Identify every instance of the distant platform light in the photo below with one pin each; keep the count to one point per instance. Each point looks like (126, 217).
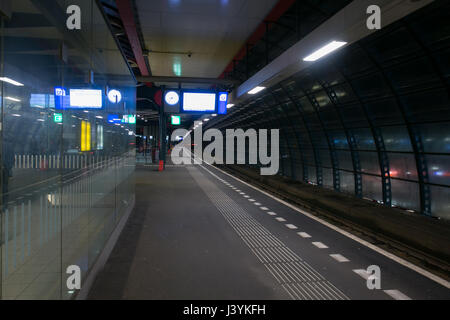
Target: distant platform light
(325, 50)
(114, 96)
(256, 90)
(230, 105)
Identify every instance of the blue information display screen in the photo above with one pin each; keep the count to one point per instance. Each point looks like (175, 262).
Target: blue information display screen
(199, 102)
(78, 98)
(86, 98)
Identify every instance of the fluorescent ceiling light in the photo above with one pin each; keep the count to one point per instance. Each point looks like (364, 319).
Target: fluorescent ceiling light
(332, 46)
(206, 120)
(11, 81)
(256, 90)
(16, 115)
(214, 115)
(230, 105)
(99, 117)
(12, 99)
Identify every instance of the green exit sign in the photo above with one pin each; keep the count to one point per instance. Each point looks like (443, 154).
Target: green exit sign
(58, 117)
(176, 120)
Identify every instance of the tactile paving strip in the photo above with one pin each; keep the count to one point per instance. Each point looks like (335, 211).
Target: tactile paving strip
(300, 280)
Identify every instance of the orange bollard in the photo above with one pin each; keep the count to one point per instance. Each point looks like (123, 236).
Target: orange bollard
(161, 165)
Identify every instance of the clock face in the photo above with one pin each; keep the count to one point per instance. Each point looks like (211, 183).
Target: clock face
(114, 96)
(223, 97)
(172, 98)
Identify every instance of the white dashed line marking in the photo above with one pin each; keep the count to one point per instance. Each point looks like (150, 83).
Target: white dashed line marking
(397, 295)
(257, 204)
(304, 235)
(247, 197)
(320, 245)
(363, 273)
(251, 200)
(280, 219)
(264, 208)
(270, 213)
(339, 258)
(291, 226)
(383, 252)
(242, 193)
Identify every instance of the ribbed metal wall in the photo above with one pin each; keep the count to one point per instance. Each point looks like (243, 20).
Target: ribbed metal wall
(372, 120)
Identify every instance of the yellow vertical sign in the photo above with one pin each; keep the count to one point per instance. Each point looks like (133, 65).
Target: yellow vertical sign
(88, 136)
(85, 136)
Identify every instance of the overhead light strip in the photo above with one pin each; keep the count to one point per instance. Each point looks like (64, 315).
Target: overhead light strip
(325, 50)
(256, 90)
(11, 81)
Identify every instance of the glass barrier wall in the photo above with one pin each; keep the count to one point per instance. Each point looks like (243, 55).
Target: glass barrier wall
(67, 145)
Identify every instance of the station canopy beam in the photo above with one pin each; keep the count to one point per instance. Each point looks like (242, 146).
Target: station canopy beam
(191, 80)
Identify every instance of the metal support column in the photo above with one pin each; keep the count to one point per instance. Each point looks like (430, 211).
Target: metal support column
(162, 133)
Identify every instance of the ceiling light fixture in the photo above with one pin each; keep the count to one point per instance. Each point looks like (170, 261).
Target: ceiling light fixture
(256, 90)
(325, 50)
(11, 81)
(12, 99)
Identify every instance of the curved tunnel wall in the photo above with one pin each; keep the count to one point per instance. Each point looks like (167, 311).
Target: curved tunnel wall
(372, 120)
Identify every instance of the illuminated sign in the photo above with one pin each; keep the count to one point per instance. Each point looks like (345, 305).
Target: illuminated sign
(114, 96)
(114, 118)
(199, 102)
(132, 119)
(60, 92)
(223, 101)
(86, 98)
(61, 99)
(176, 120)
(172, 98)
(129, 118)
(99, 137)
(85, 136)
(58, 117)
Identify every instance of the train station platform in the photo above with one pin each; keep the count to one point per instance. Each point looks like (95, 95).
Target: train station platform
(198, 233)
(323, 126)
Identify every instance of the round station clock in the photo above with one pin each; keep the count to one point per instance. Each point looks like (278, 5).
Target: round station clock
(172, 98)
(114, 96)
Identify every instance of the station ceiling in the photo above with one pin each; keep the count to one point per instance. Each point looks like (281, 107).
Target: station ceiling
(197, 38)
